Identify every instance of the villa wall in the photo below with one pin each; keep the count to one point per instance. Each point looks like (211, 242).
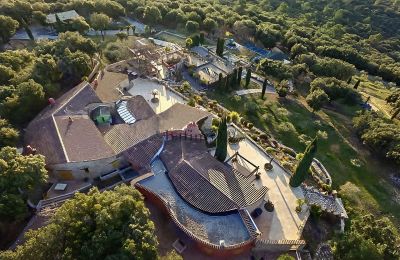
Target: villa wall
(204, 246)
(76, 170)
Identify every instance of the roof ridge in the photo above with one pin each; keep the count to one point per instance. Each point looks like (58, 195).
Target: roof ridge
(85, 84)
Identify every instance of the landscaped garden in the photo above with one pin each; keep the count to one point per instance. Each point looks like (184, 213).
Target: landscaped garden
(291, 122)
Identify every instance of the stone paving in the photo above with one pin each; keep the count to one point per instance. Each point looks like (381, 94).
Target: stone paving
(145, 87)
(284, 222)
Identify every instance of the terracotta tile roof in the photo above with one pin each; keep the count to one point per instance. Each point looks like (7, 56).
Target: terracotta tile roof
(42, 135)
(140, 155)
(107, 86)
(59, 142)
(139, 108)
(121, 137)
(204, 182)
(81, 138)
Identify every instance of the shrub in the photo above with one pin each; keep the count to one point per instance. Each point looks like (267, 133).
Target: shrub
(315, 211)
(251, 107)
(215, 121)
(112, 55)
(300, 203)
(191, 102)
(285, 257)
(234, 116)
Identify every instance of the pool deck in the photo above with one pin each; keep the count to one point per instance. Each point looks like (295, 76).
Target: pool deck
(284, 223)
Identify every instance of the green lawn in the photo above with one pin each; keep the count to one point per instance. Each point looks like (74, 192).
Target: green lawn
(171, 38)
(287, 119)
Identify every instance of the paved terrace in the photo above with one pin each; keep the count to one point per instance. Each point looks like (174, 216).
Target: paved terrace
(210, 228)
(145, 87)
(284, 223)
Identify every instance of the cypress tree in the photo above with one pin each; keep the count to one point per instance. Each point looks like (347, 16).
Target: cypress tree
(304, 165)
(222, 141)
(220, 81)
(239, 76)
(202, 39)
(357, 84)
(234, 78)
(227, 82)
(220, 47)
(264, 87)
(248, 77)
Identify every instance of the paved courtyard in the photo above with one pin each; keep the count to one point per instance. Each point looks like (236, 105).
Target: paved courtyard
(145, 87)
(284, 222)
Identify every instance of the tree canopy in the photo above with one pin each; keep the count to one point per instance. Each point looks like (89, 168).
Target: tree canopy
(98, 225)
(368, 238)
(18, 173)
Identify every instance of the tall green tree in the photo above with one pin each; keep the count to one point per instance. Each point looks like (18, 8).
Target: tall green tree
(282, 89)
(227, 82)
(202, 38)
(317, 99)
(220, 47)
(209, 24)
(6, 73)
(23, 103)
(18, 172)
(264, 88)
(8, 135)
(304, 165)
(46, 69)
(222, 141)
(98, 225)
(369, 237)
(80, 25)
(248, 77)
(8, 27)
(100, 22)
(192, 26)
(234, 78)
(357, 84)
(21, 11)
(220, 81)
(239, 76)
(152, 15)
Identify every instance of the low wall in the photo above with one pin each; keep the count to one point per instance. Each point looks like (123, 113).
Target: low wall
(278, 245)
(76, 170)
(204, 246)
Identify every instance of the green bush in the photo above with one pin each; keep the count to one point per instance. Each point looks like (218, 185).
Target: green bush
(251, 108)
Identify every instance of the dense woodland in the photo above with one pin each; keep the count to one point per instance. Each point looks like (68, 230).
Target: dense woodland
(330, 42)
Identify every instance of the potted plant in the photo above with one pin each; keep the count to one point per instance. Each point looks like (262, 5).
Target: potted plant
(269, 206)
(268, 166)
(300, 203)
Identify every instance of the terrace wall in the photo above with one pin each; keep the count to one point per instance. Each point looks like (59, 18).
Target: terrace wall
(76, 170)
(204, 246)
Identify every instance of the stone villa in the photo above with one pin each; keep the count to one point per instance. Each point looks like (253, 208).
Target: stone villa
(141, 132)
